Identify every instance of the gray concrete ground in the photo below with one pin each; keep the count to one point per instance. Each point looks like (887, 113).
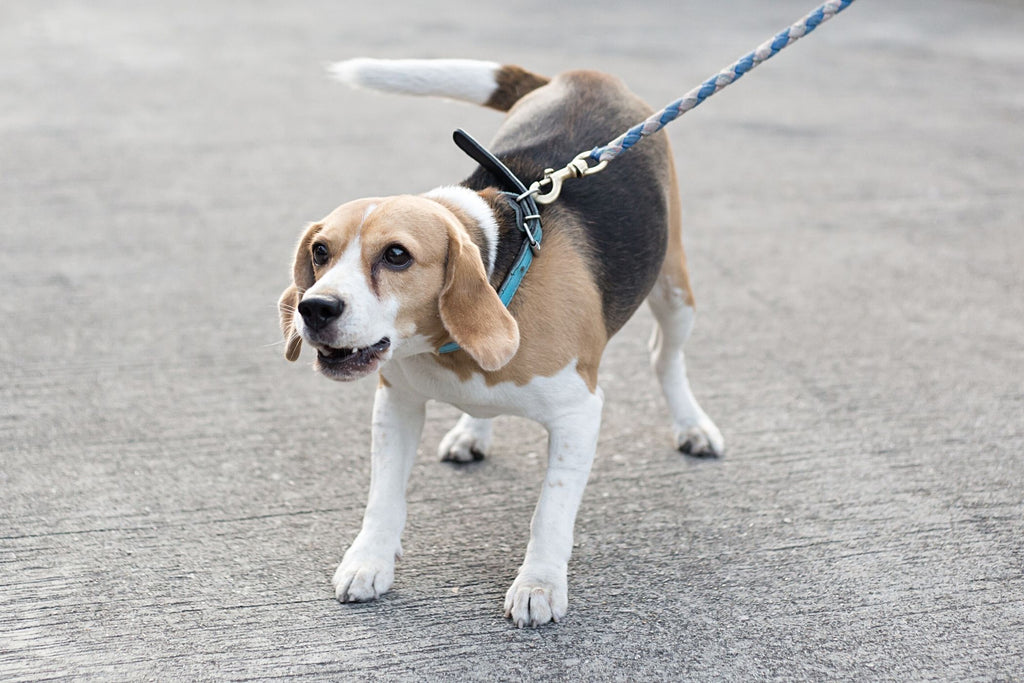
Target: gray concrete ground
(174, 495)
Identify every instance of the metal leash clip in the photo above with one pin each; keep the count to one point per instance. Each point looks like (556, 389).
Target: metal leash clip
(577, 168)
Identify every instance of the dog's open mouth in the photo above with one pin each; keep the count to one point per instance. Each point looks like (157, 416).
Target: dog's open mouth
(349, 363)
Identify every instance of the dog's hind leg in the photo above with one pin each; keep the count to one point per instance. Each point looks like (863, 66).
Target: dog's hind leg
(671, 301)
(467, 441)
(695, 433)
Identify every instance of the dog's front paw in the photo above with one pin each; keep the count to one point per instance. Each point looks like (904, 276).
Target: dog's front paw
(359, 579)
(467, 441)
(537, 597)
(701, 440)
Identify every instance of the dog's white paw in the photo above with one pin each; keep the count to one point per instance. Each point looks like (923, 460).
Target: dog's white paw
(702, 439)
(360, 579)
(467, 441)
(537, 597)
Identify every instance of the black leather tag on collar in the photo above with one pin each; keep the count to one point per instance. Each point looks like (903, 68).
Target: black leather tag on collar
(477, 152)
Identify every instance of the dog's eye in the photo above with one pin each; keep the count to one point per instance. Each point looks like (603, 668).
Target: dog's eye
(320, 254)
(396, 257)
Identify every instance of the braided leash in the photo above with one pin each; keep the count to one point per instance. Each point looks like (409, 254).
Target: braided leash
(580, 167)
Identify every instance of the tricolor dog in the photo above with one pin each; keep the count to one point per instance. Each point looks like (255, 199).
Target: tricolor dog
(383, 284)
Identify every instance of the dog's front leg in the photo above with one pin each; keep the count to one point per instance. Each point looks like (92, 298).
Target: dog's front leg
(540, 592)
(368, 568)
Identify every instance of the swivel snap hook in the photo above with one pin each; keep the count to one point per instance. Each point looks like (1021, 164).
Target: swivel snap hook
(577, 168)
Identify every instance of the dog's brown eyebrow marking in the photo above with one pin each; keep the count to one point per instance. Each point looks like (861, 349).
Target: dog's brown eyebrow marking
(375, 267)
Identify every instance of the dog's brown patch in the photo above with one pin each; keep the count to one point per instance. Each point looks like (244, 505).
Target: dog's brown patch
(513, 82)
(674, 267)
(558, 309)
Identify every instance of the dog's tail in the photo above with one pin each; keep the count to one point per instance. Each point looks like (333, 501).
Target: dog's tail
(485, 83)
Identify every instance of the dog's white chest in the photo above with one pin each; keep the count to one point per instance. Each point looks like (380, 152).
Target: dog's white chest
(537, 399)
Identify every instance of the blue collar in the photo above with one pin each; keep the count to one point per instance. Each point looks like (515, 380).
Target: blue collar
(527, 219)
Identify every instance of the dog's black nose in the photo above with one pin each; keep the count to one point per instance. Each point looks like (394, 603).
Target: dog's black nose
(319, 311)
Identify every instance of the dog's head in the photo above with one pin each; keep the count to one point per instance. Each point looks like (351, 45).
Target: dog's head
(384, 278)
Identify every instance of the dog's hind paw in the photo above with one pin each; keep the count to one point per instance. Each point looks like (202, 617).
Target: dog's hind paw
(536, 598)
(702, 440)
(467, 441)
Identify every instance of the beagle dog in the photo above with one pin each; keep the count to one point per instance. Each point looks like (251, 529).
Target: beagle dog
(382, 284)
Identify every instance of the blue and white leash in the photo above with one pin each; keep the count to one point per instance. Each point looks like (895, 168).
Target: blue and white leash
(580, 166)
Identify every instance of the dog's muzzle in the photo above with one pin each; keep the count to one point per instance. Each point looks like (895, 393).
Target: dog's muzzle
(351, 363)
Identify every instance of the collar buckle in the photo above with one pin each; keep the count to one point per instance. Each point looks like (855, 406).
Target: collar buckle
(526, 211)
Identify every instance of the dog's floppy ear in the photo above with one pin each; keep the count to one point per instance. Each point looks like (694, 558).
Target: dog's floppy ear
(302, 279)
(287, 306)
(470, 308)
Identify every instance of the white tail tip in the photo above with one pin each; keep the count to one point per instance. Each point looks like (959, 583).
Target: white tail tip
(459, 79)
